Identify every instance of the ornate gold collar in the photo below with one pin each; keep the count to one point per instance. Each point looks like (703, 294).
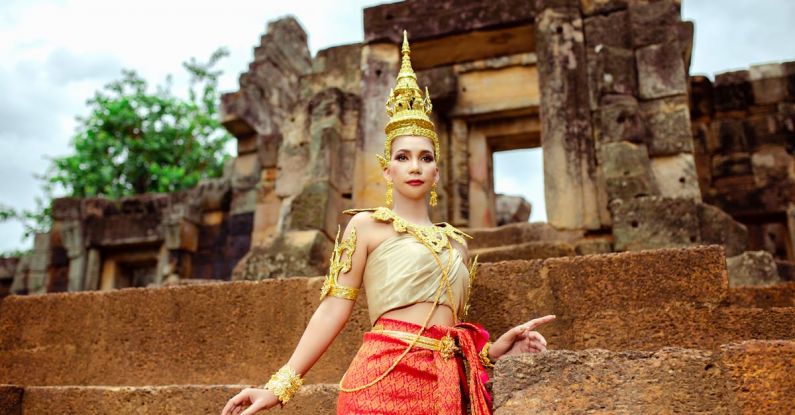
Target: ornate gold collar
(436, 235)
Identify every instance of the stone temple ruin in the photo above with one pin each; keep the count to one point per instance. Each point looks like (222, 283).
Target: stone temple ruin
(668, 254)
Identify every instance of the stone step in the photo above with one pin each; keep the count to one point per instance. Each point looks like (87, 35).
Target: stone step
(173, 399)
(517, 233)
(239, 333)
(753, 377)
(748, 377)
(777, 295)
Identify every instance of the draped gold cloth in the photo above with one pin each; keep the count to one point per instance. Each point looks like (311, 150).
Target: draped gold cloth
(400, 271)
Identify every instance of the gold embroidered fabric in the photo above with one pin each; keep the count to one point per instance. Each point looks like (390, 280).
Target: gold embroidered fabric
(402, 271)
(340, 263)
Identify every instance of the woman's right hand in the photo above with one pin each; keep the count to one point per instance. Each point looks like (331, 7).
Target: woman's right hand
(255, 399)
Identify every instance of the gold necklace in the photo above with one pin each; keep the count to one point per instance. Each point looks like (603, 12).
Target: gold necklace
(436, 237)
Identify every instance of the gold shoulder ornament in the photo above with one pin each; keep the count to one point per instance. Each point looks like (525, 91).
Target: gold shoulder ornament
(340, 263)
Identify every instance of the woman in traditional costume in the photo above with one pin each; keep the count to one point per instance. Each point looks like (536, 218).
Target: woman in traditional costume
(419, 357)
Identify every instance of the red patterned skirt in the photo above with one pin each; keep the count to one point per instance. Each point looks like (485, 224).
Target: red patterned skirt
(425, 381)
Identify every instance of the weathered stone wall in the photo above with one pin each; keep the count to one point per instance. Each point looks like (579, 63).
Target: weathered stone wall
(744, 131)
(304, 139)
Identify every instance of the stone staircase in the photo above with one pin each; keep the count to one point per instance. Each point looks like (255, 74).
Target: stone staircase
(638, 332)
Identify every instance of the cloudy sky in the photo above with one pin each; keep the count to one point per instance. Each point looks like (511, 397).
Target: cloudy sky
(55, 53)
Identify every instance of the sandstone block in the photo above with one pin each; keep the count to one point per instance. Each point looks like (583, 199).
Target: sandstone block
(670, 380)
(212, 194)
(685, 33)
(675, 176)
(701, 96)
(752, 268)
(494, 90)
(732, 91)
(760, 375)
(268, 149)
(769, 83)
(661, 72)
(611, 71)
(298, 252)
(331, 69)
(735, 164)
(66, 208)
(668, 124)
(779, 295)
(243, 202)
(593, 246)
(318, 206)
(386, 22)
(654, 222)
(511, 209)
(526, 250)
(636, 280)
(295, 155)
(771, 165)
(517, 233)
(246, 144)
(11, 399)
(718, 227)
(608, 30)
(591, 7)
(182, 235)
(380, 65)
(445, 85)
(246, 172)
(162, 336)
(626, 170)
(653, 22)
(570, 179)
(193, 399)
(499, 309)
(619, 119)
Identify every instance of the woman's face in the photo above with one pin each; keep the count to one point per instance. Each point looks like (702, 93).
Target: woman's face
(412, 168)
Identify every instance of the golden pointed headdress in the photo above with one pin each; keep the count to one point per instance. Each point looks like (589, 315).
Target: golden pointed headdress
(408, 110)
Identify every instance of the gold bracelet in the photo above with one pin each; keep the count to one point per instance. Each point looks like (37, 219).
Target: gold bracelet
(284, 383)
(484, 355)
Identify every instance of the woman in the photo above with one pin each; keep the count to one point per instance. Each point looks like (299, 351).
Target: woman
(419, 357)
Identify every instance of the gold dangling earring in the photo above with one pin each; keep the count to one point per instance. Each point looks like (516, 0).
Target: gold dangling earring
(388, 193)
(434, 199)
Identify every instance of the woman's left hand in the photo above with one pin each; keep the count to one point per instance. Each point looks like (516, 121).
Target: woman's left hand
(521, 339)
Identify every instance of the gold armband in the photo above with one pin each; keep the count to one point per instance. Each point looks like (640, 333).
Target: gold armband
(284, 383)
(484, 355)
(340, 264)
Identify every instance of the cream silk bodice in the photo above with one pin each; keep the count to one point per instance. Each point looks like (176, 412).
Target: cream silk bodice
(402, 271)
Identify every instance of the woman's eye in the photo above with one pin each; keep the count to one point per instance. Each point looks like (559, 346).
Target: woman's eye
(401, 157)
(428, 159)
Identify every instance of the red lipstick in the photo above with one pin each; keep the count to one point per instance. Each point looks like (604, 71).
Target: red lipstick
(415, 182)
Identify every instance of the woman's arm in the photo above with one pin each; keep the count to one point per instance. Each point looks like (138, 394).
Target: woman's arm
(324, 325)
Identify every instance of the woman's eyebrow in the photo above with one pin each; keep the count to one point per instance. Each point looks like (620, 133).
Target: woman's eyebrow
(408, 151)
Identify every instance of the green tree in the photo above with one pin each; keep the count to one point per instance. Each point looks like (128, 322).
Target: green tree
(138, 141)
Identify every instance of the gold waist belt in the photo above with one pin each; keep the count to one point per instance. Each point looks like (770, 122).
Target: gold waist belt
(445, 346)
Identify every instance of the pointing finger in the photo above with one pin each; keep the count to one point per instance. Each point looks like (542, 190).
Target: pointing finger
(536, 322)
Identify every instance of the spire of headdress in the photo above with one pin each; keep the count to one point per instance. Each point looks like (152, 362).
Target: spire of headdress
(408, 110)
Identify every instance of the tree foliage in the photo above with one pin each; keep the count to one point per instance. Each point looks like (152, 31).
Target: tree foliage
(138, 141)
(134, 141)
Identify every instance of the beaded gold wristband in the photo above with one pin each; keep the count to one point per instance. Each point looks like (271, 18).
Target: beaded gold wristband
(284, 383)
(484, 355)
